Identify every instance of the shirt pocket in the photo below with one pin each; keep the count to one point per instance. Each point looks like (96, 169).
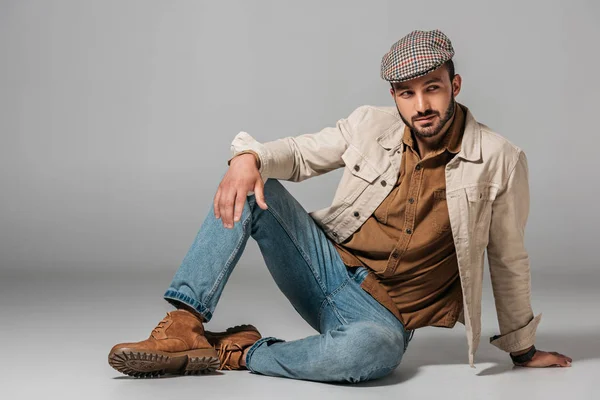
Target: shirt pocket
(440, 218)
(359, 175)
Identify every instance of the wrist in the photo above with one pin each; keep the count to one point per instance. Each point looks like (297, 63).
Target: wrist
(518, 353)
(248, 156)
(523, 357)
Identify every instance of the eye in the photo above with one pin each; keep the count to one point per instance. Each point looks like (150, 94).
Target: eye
(432, 88)
(405, 94)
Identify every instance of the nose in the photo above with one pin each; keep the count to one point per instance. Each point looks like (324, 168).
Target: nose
(421, 104)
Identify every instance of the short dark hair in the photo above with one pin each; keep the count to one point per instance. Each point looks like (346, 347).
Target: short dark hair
(449, 66)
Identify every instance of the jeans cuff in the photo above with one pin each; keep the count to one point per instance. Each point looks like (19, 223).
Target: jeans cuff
(269, 339)
(171, 294)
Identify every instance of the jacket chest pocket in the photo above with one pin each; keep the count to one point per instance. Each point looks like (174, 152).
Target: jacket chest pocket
(480, 199)
(359, 175)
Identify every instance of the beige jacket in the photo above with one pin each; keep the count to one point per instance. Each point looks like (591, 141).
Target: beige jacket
(487, 192)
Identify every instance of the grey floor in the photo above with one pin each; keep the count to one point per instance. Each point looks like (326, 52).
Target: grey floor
(58, 328)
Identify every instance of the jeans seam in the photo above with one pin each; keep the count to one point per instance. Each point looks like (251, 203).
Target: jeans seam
(340, 287)
(336, 312)
(228, 264)
(299, 248)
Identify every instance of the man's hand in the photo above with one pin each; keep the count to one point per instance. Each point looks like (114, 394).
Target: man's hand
(543, 359)
(241, 177)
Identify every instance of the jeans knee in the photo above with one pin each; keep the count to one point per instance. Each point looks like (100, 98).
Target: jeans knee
(370, 351)
(273, 189)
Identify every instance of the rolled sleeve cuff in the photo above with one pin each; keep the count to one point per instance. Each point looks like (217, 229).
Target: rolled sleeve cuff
(517, 340)
(243, 142)
(258, 163)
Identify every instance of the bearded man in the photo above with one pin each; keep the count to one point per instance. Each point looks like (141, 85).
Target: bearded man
(426, 189)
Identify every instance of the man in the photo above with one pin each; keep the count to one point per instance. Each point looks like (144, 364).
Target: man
(425, 190)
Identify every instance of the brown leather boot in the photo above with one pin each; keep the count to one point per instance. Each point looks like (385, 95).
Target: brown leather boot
(231, 344)
(177, 345)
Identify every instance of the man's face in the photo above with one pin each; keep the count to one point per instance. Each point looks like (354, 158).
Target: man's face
(426, 104)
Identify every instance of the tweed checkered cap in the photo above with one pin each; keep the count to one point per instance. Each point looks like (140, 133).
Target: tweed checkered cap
(416, 54)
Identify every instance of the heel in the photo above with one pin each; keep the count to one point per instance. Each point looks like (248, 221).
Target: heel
(201, 361)
(201, 365)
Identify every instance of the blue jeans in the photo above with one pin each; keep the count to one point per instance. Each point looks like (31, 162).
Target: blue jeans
(359, 338)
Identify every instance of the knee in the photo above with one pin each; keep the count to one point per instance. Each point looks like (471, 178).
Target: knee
(273, 189)
(369, 351)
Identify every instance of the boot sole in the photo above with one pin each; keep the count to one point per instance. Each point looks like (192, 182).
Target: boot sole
(150, 364)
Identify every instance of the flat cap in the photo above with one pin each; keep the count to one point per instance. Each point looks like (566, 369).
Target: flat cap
(416, 54)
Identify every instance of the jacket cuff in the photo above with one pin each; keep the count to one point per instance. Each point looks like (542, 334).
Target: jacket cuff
(517, 340)
(245, 142)
(246, 152)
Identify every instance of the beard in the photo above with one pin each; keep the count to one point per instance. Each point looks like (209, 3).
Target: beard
(431, 130)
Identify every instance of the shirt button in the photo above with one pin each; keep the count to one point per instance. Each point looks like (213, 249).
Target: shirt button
(395, 255)
(356, 167)
(411, 200)
(397, 151)
(356, 214)
(409, 231)
(334, 233)
(383, 183)
(418, 167)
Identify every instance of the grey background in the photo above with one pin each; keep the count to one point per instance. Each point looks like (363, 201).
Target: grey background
(115, 125)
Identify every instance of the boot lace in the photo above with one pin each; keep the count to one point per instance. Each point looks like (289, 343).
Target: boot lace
(160, 326)
(224, 353)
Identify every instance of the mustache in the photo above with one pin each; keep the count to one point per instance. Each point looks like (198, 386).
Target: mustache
(426, 114)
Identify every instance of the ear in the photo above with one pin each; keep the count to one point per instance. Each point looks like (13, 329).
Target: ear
(456, 84)
(392, 92)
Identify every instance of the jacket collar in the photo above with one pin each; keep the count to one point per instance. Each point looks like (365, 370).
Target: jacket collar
(470, 148)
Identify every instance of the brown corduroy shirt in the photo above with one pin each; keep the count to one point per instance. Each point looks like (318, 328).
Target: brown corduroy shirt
(407, 244)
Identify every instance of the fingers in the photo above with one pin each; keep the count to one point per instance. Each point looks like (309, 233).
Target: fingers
(546, 359)
(259, 194)
(226, 204)
(557, 360)
(240, 200)
(216, 205)
(564, 360)
(229, 202)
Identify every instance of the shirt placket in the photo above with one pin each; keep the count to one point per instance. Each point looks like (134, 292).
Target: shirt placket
(410, 215)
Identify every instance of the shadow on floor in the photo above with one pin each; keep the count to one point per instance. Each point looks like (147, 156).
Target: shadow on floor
(439, 350)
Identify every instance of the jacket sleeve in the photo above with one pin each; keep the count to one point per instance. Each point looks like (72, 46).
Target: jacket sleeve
(246, 152)
(509, 262)
(301, 157)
